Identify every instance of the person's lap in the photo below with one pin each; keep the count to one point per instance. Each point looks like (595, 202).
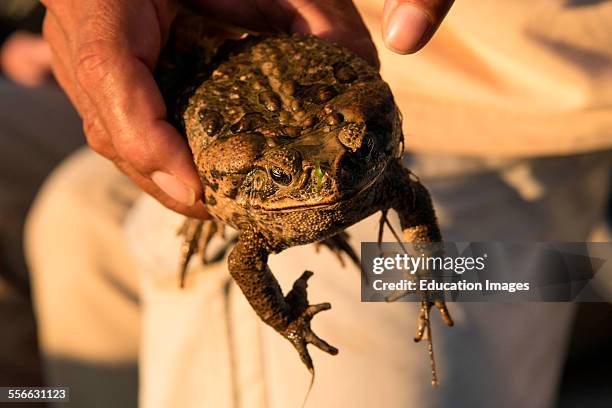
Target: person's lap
(84, 282)
(203, 346)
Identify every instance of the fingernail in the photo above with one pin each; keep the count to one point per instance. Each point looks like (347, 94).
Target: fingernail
(405, 28)
(175, 188)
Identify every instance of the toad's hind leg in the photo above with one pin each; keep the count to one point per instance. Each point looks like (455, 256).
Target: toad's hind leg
(339, 245)
(196, 235)
(289, 315)
(419, 225)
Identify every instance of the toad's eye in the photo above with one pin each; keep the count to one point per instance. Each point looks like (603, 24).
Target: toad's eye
(280, 176)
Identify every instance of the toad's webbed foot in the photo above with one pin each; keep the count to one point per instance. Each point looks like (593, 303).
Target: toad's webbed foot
(298, 331)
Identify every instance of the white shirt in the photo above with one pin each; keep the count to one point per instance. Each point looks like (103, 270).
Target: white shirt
(506, 77)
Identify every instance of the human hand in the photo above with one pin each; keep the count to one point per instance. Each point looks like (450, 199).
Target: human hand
(26, 59)
(409, 24)
(104, 52)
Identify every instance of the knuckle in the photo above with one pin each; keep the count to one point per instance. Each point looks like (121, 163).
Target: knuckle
(92, 62)
(101, 148)
(96, 139)
(135, 153)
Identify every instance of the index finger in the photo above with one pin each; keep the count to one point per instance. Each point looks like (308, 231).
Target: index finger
(337, 20)
(113, 68)
(409, 24)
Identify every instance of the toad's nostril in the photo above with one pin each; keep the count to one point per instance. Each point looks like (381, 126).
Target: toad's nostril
(259, 181)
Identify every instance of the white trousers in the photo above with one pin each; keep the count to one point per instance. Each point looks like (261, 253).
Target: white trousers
(104, 270)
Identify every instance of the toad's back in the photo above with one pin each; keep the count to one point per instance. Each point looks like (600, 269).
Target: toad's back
(289, 122)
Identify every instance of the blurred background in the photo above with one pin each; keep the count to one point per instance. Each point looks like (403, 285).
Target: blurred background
(30, 99)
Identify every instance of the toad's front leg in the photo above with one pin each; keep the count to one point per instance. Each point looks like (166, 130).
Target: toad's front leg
(289, 315)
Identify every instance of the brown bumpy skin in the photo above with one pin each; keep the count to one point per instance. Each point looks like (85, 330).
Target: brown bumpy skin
(295, 139)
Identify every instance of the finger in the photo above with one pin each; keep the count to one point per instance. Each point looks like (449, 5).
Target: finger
(96, 135)
(63, 79)
(57, 41)
(41, 53)
(100, 142)
(409, 24)
(114, 71)
(133, 113)
(197, 210)
(25, 58)
(336, 20)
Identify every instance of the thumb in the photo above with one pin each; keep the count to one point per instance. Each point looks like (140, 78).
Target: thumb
(409, 24)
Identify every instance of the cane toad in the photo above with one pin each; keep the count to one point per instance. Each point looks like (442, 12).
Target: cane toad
(295, 139)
